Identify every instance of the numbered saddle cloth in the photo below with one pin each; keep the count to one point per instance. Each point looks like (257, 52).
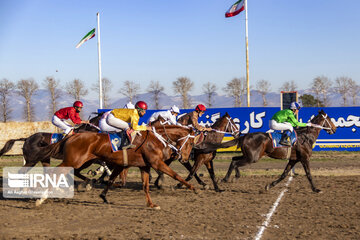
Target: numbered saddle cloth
(56, 137)
(276, 136)
(119, 140)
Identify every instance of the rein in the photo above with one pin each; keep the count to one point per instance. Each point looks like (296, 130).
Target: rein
(322, 126)
(232, 127)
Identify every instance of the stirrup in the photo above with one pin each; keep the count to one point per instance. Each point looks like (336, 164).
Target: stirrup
(129, 146)
(285, 142)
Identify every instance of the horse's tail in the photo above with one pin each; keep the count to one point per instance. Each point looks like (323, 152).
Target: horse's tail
(211, 147)
(9, 144)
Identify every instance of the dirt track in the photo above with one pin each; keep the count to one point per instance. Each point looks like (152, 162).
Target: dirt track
(236, 213)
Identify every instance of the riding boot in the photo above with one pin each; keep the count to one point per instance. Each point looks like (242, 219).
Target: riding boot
(128, 134)
(285, 138)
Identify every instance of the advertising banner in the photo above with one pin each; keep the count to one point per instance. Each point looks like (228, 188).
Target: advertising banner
(256, 119)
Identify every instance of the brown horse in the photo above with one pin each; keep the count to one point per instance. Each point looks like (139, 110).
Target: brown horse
(258, 144)
(150, 152)
(224, 124)
(35, 143)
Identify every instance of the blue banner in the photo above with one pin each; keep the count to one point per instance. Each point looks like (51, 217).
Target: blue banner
(256, 119)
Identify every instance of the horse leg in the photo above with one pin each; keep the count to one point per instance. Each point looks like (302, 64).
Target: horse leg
(145, 179)
(161, 166)
(210, 168)
(113, 176)
(306, 166)
(189, 168)
(160, 179)
(193, 171)
(287, 169)
(236, 162)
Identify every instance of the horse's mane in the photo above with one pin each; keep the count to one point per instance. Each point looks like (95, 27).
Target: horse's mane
(218, 121)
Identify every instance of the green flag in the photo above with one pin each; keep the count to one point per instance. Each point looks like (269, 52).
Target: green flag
(88, 36)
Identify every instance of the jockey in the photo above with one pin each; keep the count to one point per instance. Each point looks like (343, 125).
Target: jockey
(69, 112)
(129, 105)
(128, 119)
(169, 115)
(104, 127)
(191, 118)
(285, 120)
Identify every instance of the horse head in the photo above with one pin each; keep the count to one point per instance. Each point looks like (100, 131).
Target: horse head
(179, 138)
(159, 122)
(226, 124)
(323, 120)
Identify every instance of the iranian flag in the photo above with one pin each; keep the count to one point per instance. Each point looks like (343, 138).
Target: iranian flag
(235, 9)
(88, 36)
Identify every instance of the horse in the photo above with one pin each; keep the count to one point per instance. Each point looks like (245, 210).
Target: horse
(258, 144)
(34, 144)
(222, 125)
(80, 149)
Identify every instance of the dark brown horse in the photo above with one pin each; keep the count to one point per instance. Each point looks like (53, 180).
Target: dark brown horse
(259, 144)
(222, 125)
(150, 152)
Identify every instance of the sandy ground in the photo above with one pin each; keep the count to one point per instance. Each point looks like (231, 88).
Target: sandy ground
(236, 213)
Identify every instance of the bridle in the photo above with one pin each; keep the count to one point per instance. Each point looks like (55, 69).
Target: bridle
(323, 123)
(169, 142)
(234, 130)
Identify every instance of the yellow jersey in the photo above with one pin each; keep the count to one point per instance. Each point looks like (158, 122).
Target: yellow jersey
(130, 116)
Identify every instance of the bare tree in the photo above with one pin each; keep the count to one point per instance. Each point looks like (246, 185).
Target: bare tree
(263, 87)
(210, 90)
(5, 90)
(130, 90)
(320, 87)
(354, 90)
(183, 85)
(236, 88)
(27, 88)
(289, 86)
(155, 89)
(106, 86)
(52, 85)
(343, 87)
(76, 88)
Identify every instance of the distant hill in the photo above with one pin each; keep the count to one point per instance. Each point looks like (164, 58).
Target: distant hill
(41, 101)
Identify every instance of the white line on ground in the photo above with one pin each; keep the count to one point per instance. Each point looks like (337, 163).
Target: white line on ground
(272, 210)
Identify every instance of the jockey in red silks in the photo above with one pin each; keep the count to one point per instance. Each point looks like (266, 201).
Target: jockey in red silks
(71, 113)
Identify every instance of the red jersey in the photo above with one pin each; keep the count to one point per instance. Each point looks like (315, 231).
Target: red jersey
(69, 112)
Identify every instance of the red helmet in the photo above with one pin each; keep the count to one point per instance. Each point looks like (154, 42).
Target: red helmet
(200, 107)
(141, 105)
(78, 104)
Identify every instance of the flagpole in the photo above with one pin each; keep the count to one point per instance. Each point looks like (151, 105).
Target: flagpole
(99, 61)
(247, 55)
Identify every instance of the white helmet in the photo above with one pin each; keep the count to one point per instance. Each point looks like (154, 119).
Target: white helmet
(129, 105)
(295, 105)
(175, 109)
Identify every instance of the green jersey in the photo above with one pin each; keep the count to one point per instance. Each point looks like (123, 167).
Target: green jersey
(287, 115)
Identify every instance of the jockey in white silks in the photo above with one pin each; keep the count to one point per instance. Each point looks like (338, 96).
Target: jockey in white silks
(169, 116)
(105, 127)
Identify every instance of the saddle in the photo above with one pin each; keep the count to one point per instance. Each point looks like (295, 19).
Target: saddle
(120, 140)
(276, 137)
(56, 137)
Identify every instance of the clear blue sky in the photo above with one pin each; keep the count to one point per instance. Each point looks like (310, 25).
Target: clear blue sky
(162, 40)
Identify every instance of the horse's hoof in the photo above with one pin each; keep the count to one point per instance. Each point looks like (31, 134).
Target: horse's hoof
(219, 190)
(317, 190)
(206, 187)
(88, 187)
(224, 180)
(104, 199)
(38, 203)
(156, 207)
(267, 187)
